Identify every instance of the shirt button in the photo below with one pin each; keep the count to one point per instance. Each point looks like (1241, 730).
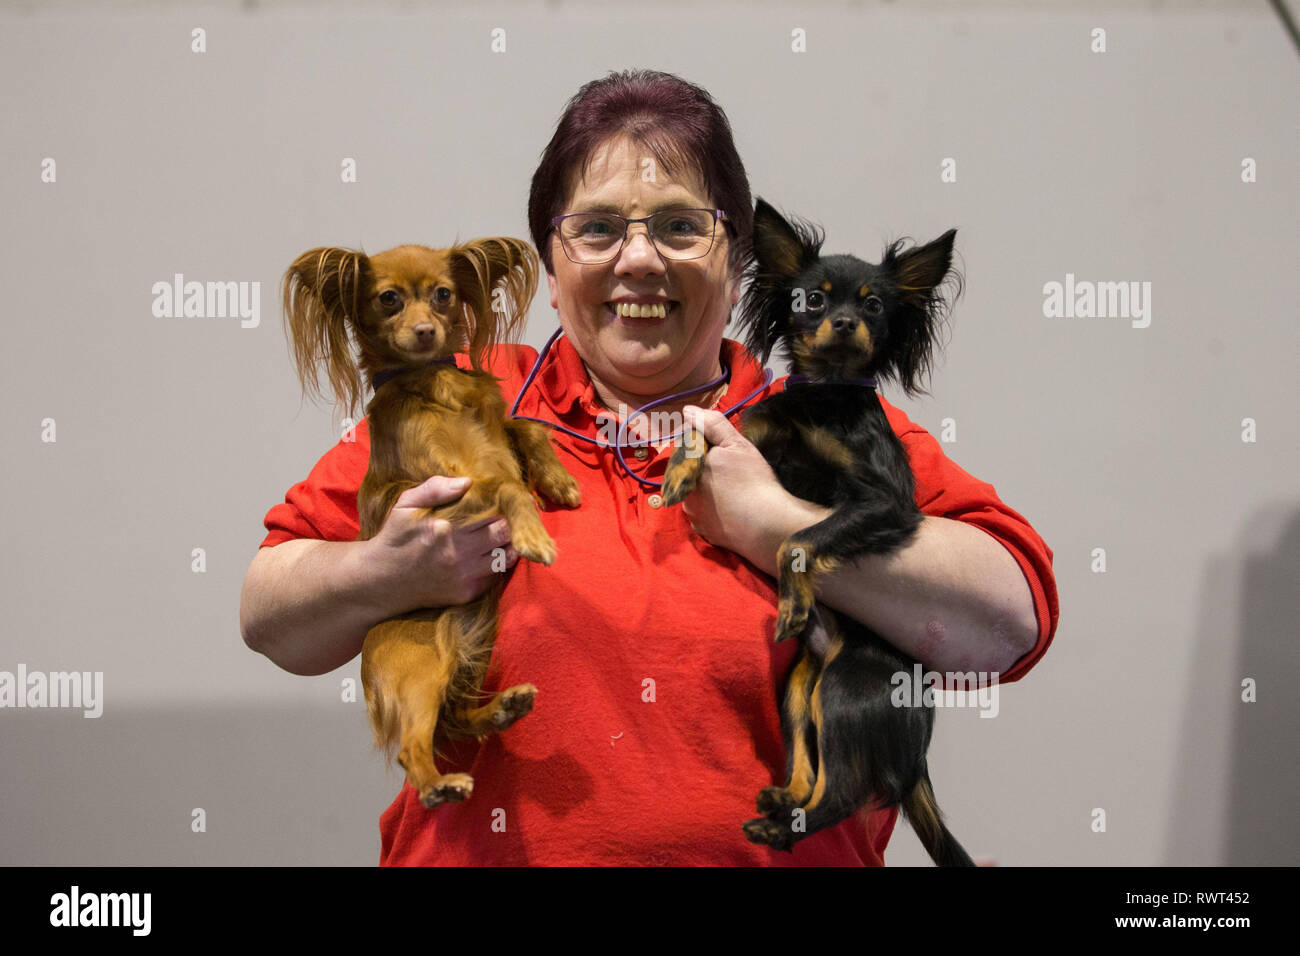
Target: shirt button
(656, 501)
(642, 453)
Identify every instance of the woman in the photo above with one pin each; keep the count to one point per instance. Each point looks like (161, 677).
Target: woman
(649, 638)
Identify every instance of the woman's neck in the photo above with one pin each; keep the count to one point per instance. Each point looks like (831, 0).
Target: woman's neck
(612, 397)
(623, 403)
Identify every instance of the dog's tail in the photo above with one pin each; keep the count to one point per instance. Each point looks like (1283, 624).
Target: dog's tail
(922, 812)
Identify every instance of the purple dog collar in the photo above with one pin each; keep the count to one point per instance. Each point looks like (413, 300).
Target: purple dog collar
(868, 382)
(387, 375)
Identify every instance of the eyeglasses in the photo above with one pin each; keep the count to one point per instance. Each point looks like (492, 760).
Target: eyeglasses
(592, 237)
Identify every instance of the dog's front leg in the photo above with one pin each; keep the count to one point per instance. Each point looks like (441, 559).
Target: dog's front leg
(684, 468)
(852, 532)
(542, 468)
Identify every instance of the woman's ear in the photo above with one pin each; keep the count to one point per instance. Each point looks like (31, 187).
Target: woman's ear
(555, 289)
(735, 279)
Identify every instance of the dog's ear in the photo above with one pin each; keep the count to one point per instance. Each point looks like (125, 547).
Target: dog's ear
(324, 291)
(919, 270)
(496, 279)
(928, 286)
(783, 248)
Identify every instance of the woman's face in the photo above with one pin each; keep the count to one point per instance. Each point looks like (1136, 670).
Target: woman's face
(642, 357)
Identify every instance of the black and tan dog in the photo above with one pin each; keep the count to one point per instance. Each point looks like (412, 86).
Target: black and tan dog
(842, 324)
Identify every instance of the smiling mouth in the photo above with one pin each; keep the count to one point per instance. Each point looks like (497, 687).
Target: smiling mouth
(647, 310)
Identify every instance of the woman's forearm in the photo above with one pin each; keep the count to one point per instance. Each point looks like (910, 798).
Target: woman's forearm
(953, 598)
(307, 604)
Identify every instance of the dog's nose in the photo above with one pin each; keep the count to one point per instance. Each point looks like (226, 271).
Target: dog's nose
(424, 333)
(843, 324)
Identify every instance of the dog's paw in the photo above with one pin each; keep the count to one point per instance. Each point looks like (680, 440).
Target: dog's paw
(797, 593)
(566, 492)
(791, 621)
(559, 487)
(534, 544)
(775, 800)
(681, 478)
(513, 703)
(767, 832)
(453, 788)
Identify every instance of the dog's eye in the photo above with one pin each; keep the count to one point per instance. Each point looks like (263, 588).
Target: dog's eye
(873, 305)
(442, 294)
(389, 298)
(816, 300)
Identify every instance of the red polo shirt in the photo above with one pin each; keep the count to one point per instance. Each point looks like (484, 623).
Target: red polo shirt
(656, 720)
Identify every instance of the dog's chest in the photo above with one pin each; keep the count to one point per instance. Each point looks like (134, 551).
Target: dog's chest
(821, 440)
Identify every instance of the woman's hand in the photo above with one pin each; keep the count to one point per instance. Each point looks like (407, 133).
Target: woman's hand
(428, 561)
(739, 504)
(308, 603)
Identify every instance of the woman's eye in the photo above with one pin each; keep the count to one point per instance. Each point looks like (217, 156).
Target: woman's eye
(389, 298)
(597, 227)
(873, 305)
(682, 227)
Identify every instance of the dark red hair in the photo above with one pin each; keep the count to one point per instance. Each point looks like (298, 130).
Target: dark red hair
(676, 121)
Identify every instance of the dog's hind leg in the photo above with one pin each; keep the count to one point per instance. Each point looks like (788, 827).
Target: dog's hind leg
(801, 741)
(406, 668)
(793, 815)
(500, 712)
(871, 751)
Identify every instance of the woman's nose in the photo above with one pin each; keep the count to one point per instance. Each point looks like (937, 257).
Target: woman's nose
(639, 251)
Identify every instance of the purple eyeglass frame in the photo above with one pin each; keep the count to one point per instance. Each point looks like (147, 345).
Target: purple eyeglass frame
(718, 216)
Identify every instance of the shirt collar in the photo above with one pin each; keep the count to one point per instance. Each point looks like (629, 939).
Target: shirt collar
(563, 392)
(563, 381)
(566, 389)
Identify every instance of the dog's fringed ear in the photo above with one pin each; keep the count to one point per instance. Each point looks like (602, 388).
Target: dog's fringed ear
(323, 292)
(496, 279)
(783, 248)
(928, 286)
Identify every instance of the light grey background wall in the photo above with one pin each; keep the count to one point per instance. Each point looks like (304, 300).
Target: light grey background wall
(175, 434)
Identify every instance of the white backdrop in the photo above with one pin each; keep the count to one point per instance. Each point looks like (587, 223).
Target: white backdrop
(1169, 158)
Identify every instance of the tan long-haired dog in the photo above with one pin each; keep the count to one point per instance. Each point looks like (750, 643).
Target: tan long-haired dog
(410, 310)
